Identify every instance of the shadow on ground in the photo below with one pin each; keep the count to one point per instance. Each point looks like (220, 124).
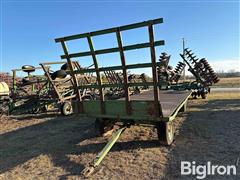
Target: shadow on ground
(56, 137)
(208, 134)
(211, 132)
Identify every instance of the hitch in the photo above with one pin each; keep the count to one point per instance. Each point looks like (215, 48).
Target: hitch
(98, 159)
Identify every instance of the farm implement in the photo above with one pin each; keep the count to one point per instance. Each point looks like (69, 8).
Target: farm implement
(4, 98)
(199, 68)
(51, 89)
(202, 71)
(25, 92)
(61, 83)
(150, 106)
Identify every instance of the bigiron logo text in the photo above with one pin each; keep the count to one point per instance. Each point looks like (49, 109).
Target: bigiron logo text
(209, 169)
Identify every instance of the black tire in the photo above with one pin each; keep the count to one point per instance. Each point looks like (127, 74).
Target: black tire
(26, 81)
(36, 110)
(66, 108)
(165, 132)
(65, 67)
(102, 125)
(194, 95)
(204, 95)
(99, 126)
(59, 74)
(28, 68)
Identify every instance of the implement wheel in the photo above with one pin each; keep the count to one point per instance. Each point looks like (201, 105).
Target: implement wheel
(165, 132)
(36, 110)
(66, 108)
(59, 74)
(204, 95)
(28, 68)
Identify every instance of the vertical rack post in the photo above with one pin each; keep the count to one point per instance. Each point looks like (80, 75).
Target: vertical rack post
(158, 109)
(64, 46)
(184, 75)
(51, 81)
(124, 69)
(14, 81)
(90, 43)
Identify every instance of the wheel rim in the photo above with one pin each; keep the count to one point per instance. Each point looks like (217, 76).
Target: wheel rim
(68, 109)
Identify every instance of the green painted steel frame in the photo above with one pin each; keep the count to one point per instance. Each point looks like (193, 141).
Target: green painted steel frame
(127, 106)
(117, 111)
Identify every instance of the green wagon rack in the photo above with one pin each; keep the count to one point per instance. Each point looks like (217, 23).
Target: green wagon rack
(154, 107)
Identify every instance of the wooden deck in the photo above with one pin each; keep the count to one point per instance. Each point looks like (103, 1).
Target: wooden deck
(170, 100)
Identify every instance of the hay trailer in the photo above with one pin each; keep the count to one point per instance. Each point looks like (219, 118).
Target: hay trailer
(154, 107)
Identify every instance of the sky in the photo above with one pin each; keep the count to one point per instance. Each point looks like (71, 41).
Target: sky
(28, 30)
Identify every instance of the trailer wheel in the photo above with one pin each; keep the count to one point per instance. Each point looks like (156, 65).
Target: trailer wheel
(103, 125)
(165, 133)
(66, 108)
(99, 127)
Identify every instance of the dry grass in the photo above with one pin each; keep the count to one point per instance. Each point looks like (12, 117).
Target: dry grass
(228, 82)
(224, 95)
(55, 147)
(224, 82)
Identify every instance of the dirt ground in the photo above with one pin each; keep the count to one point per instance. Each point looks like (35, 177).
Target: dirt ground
(55, 147)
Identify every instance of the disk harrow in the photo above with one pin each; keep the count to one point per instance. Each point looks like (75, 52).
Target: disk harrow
(166, 73)
(203, 73)
(200, 68)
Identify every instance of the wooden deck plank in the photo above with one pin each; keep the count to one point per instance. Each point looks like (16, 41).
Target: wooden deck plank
(169, 100)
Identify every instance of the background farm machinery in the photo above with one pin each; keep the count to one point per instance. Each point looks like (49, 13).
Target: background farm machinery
(4, 97)
(199, 68)
(55, 89)
(42, 91)
(25, 91)
(62, 85)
